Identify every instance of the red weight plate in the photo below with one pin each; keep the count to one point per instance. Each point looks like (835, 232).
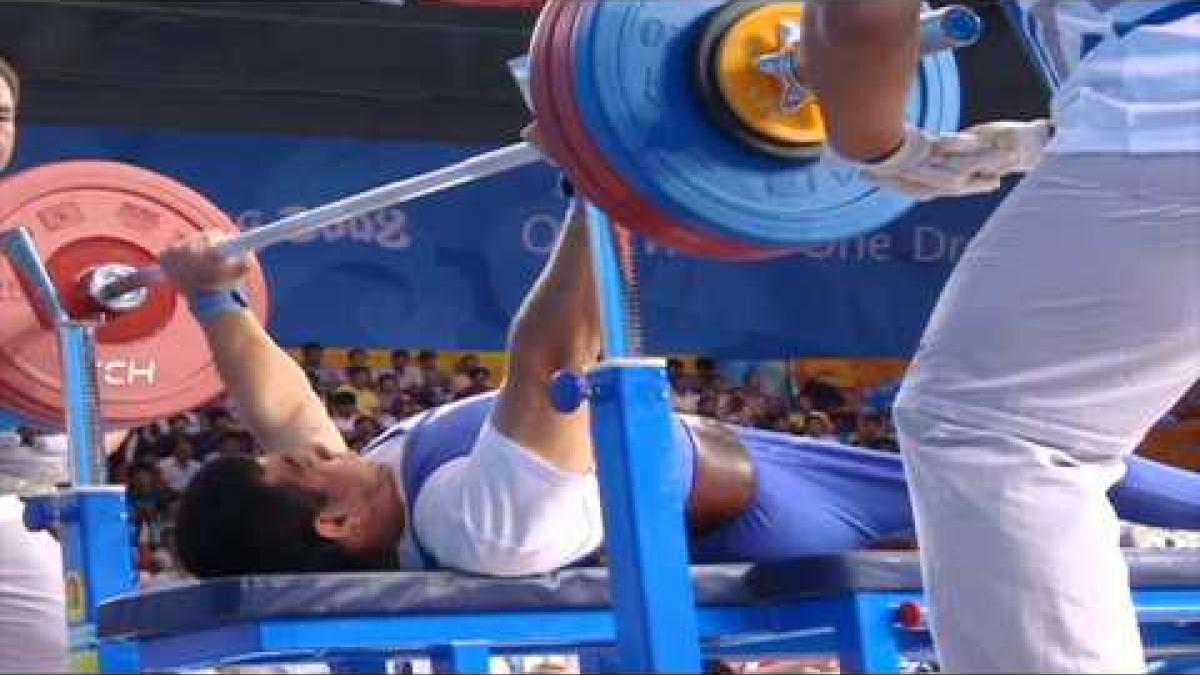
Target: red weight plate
(617, 195)
(600, 180)
(551, 61)
(541, 70)
(70, 267)
(154, 361)
(15, 401)
(19, 402)
(556, 91)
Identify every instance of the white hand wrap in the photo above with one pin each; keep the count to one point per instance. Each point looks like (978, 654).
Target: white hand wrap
(973, 161)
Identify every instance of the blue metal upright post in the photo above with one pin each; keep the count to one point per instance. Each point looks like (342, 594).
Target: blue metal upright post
(89, 517)
(92, 522)
(642, 487)
(467, 658)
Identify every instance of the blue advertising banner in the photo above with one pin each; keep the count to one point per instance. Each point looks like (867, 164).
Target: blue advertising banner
(450, 270)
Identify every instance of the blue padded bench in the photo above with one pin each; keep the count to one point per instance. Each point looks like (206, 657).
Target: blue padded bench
(201, 605)
(875, 586)
(859, 606)
(879, 571)
(428, 613)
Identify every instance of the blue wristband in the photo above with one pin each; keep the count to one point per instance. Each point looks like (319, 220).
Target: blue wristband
(208, 305)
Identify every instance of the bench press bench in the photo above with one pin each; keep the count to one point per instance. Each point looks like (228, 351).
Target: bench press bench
(864, 608)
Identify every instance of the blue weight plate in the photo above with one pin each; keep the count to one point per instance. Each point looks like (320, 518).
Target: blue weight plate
(587, 163)
(642, 111)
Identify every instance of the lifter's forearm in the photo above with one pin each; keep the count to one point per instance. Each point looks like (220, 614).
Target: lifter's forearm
(861, 58)
(556, 328)
(273, 395)
(558, 325)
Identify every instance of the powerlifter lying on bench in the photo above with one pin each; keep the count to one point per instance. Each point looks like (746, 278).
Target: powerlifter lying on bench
(504, 484)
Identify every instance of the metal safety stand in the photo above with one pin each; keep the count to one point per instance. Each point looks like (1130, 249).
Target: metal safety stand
(639, 471)
(89, 518)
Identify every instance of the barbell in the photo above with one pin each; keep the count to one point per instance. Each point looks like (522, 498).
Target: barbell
(686, 120)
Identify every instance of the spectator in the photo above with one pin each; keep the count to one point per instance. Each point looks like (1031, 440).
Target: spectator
(157, 564)
(769, 377)
(144, 445)
(823, 395)
(708, 376)
(363, 387)
(759, 406)
(435, 382)
(119, 461)
(315, 382)
(466, 363)
(343, 408)
(181, 425)
(178, 469)
(733, 410)
(387, 388)
(234, 444)
(312, 360)
(678, 376)
(818, 425)
(461, 380)
(405, 405)
(148, 524)
(366, 429)
(357, 358)
(883, 397)
(408, 376)
(685, 392)
(478, 381)
(780, 423)
(145, 497)
(147, 444)
(872, 432)
(685, 400)
(218, 423)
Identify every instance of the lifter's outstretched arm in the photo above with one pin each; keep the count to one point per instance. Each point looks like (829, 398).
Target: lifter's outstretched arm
(556, 328)
(273, 395)
(862, 58)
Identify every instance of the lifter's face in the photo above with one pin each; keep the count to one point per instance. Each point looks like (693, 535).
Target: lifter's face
(8, 123)
(364, 510)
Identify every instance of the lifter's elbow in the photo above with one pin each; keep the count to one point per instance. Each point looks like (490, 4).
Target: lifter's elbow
(542, 341)
(531, 354)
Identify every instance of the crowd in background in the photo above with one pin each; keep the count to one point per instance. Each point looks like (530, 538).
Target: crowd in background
(770, 395)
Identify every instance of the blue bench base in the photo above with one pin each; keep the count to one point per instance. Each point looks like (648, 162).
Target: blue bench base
(842, 606)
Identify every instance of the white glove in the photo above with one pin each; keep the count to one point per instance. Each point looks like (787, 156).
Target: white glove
(929, 165)
(1019, 145)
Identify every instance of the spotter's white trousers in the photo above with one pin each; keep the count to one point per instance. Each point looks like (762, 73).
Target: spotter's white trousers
(33, 624)
(1070, 325)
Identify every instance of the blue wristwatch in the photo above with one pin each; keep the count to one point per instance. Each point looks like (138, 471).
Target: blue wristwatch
(208, 305)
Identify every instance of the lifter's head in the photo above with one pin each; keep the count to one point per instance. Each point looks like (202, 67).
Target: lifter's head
(307, 510)
(10, 93)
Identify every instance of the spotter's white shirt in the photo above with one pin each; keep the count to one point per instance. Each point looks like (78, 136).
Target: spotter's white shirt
(1119, 89)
